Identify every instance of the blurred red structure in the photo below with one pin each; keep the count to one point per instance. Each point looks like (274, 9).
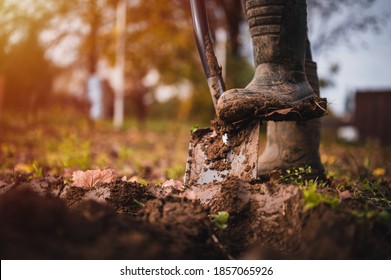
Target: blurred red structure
(373, 115)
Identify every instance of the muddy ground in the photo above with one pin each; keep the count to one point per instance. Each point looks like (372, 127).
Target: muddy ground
(44, 215)
(48, 218)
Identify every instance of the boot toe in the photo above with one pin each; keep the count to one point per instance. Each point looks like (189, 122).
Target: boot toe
(240, 104)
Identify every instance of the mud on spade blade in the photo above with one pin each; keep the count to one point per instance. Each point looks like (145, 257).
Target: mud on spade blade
(213, 157)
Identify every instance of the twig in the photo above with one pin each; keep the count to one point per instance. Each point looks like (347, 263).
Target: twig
(222, 248)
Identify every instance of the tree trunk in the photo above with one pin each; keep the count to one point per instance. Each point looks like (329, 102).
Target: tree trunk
(2, 90)
(119, 85)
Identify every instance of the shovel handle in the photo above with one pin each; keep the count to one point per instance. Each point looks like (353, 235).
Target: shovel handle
(205, 49)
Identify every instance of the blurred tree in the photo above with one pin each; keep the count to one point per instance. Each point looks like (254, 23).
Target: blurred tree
(159, 38)
(27, 88)
(22, 55)
(336, 22)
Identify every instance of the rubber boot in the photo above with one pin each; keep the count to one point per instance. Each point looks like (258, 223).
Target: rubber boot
(294, 144)
(279, 89)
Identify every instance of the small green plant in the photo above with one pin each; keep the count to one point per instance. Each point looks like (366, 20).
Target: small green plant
(313, 198)
(33, 169)
(383, 217)
(69, 151)
(143, 182)
(175, 172)
(102, 159)
(374, 193)
(194, 128)
(139, 203)
(67, 181)
(36, 170)
(220, 220)
(296, 176)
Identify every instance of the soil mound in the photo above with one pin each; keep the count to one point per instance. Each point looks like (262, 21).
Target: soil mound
(44, 219)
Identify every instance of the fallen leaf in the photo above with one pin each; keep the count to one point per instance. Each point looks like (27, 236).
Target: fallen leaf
(379, 172)
(90, 178)
(345, 195)
(175, 184)
(133, 179)
(279, 112)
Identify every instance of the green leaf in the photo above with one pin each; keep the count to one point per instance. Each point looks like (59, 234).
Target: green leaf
(220, 219)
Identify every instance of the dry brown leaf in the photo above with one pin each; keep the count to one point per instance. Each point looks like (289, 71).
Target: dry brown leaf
(175, 184)
(280, 112)
(124, 179)
(90, 178)
(134, 179)
(345, 195)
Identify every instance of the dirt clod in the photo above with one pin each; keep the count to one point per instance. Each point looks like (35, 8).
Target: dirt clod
(123, 220)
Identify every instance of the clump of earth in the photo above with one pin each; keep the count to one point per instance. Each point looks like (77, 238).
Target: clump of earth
(46, 218)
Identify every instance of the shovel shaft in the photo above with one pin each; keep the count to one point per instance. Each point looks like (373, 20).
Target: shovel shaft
(205, 49)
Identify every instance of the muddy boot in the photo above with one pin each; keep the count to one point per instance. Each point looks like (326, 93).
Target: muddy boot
(279, 89)
(294, 144)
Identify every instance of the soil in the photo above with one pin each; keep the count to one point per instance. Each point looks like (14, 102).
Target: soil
(269, 218)
(43, 216)
(80, 224)
(209, 154)
(213, 147)
(47, 219)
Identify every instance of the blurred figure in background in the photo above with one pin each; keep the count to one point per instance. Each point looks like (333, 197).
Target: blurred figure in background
(95, 95)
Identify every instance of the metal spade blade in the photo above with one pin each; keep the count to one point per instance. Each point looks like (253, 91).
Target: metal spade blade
(212, 160)
(214, 157)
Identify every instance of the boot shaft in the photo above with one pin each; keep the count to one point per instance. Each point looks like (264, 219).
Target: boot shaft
(278, 31)
(294, 144)
(312, 75)
(311, 69)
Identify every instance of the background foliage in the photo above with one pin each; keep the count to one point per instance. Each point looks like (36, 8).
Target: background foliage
(41, 39)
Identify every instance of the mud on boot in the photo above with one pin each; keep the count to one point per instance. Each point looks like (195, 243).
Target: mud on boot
(294, 144)
(279, 89)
